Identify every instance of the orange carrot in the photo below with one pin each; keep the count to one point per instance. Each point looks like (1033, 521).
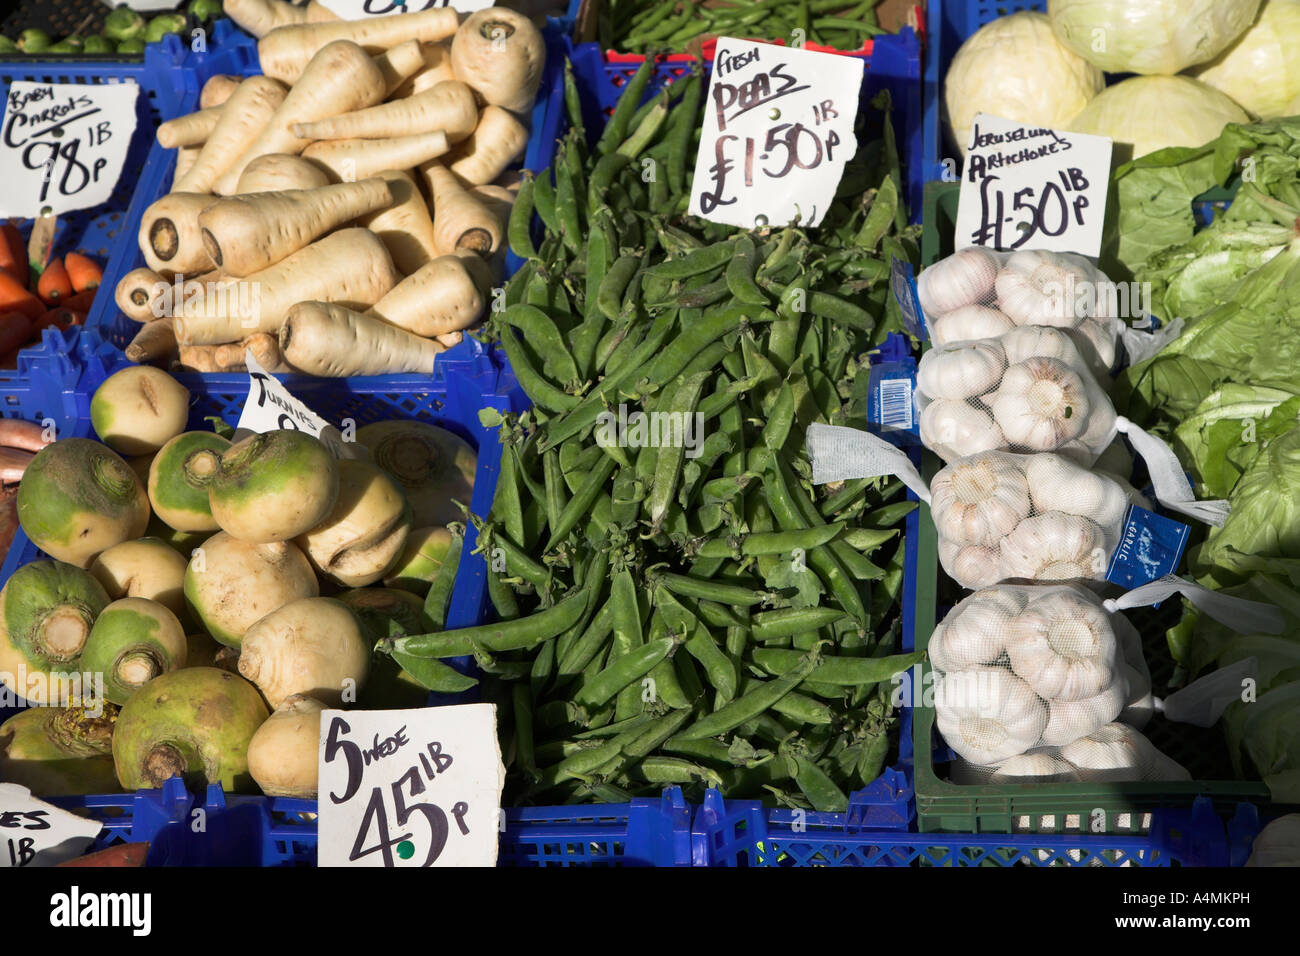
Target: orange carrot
(61, 319)
(81, 302)
(15, 330)
(14, 296)
(54, 285)
(13, 254)
(84, 271)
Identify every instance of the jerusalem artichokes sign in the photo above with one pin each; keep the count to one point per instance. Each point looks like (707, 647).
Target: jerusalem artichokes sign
(1032, 188)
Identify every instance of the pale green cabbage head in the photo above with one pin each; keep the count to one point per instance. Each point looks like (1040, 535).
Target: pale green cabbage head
(1150, 36)
(1261, 71)
(1152, 112)
(1015, 68)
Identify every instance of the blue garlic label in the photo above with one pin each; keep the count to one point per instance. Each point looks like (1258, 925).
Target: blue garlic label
(1150, 547)
(902, 282)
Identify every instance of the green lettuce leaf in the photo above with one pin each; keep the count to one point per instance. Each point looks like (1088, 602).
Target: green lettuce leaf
(1221, 439)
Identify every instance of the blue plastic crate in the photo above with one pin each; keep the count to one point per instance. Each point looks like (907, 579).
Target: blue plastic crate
(894, 63)
(234, 52)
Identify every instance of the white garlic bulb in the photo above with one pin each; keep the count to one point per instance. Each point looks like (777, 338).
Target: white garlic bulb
(1041, 404)
(1039, 341)
(971, 565)
(1068, 720)
(1056, 484)
(963, 278)
(1053, 547)
(962, 370)
(968, 323)
(954, 428)
(974, 632)
(988, 714)
(1043, 288)
(1062, 645)
(1096, 340)
(979, 500)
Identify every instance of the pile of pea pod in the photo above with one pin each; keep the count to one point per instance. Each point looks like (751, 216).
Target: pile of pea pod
(637, 26)
(667, 615)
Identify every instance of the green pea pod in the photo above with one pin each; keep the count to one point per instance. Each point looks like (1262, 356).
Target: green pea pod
(626, 670)
(718, 668)
(616, 129)
(779, 542)
(646, 129)
(439, 596)
(433, 674)
(753, 703)
(534, 384)
(788, 621)
(817, 786)
(695, 262)
(581, 501)
(589, 644)
(496, 638)
(740, 273)
(544, 203)
(880, 217)
(519, 228)
(668, 463)
(572, 102)
(840, 671)
(544, 337)
(609, 294)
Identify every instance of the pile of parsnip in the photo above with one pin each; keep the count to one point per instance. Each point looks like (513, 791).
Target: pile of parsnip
(343, 213)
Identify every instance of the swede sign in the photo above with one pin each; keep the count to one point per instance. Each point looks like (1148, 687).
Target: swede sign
(778, 131)
(410, 788)
(63, 145)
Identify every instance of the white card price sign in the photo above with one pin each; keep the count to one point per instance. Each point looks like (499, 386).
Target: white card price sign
(270, 407)
(62, 145)
(1026, 186)
(778, 130)
(144, 6)
(34, 833)
(360, 9)
(409, 788)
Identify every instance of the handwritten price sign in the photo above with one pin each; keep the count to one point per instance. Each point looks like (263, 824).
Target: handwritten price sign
(271, 407)
(778, 129)
(1032, 187)
(360, 9)
(409, 788)
(62, 145)
(34, 833)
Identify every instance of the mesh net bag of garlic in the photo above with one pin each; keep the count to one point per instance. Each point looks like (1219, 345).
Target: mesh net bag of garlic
(980, 294)
(1043, 682)
(1033, 518)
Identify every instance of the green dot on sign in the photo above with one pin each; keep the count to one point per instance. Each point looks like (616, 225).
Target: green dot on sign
(406, 849)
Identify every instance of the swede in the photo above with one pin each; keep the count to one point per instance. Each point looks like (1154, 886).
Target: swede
(178, 480)
(59, 751)
(243, 117)
(283, 754)
(312, 646)
(350, 267)
(286, 51)
(196, 723)
(333, 341)
(244, 234)
(501, 55)
(78, 498)
(47, 609)
(145, 568)
(231, 584)
(434, 466)
(139, 409)
(363, 535)
(133, 641)
(446, 295)
(273, 486)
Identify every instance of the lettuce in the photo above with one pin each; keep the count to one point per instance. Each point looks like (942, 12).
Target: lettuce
(1226, 432)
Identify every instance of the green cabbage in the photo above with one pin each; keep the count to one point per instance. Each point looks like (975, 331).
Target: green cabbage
(1261, 71)
(1150, 36)
(1150, 113)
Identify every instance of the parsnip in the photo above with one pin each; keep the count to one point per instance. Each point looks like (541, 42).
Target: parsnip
(265, 348)
(400, 64)
(350, 267)
(335, 341)
(405, 227)
(260, 17)
(340, 78)
(249, 109)
(285, 51)
(461, 220)
(217, 90)
(155, 340)
(200, 358)
(185, 157)
(501, 55)
(497, 141)
(450, 339)
(134, 291)
(446, 295)
(245, 234)
(192, 129)
(169, 233)
(348, 160)
(436, 69)
(449, 107)
(277, 171)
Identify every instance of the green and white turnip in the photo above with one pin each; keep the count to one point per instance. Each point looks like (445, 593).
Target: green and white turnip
(273, 486)
(133, 641)
(433, 466)
(283, 754)
(311, 646)
(145, 568)
(59, 751)
(363, 535)
(139, 409)
(421, 560)
(178, 480)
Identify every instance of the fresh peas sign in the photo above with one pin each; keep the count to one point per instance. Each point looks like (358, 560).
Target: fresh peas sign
(62, 145)
(410, 788)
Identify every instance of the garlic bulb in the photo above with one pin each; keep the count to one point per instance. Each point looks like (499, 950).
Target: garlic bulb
(972, 565)
(1096, 340)
(1053, 547)
(963, 278)
(953, 428)
(968, 323)
(979, 500)
(1040, 404)
(1039, 341)
(1141, 704)
(960, 371)
(988, 714)
(1062, 645)
(1100, 426)
(973, 633)
(1068, 720)
(1036, 766)
(1057, 485)
(1042, 288)
(1117, 752)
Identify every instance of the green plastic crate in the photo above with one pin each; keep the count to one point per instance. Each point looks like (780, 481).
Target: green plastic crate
(1053, 807)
